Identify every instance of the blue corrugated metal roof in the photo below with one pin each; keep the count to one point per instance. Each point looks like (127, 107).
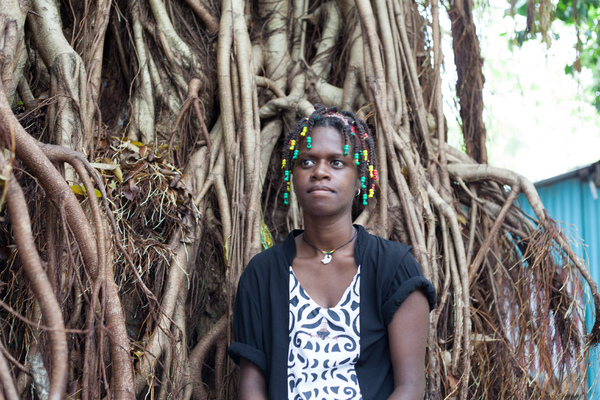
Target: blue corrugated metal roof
(572, 198)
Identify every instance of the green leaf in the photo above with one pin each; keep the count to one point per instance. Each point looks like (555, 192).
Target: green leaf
(569, 69)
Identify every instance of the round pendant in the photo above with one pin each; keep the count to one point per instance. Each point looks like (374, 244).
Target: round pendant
(326, 259)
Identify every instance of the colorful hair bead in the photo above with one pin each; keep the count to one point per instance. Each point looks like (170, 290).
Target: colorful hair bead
(286, 176)
(308, 142)
(346, 148)
(292, 144)
(289, 184)
(283, 162)
(372, 191)
(295, 154)
(362, 182)
(366, 155)
(304, 130)
(371, 171)
(365, 199)
(374, 174)
(356, 159)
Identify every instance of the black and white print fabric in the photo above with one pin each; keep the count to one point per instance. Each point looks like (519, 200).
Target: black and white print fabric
(324, 345)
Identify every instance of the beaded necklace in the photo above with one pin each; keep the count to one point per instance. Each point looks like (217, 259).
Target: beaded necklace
(329, 254)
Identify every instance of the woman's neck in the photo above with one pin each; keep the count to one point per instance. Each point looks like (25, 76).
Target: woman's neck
(327, 235)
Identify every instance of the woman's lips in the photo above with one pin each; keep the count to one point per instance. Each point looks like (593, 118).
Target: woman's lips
(319, 189)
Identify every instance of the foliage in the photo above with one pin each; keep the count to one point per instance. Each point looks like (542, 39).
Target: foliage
(581, 15)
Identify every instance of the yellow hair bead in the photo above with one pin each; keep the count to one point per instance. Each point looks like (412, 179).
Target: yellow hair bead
(283, 162)
(292, 144)
(304, 130)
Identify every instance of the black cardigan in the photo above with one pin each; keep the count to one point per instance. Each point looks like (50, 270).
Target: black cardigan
(389, 273)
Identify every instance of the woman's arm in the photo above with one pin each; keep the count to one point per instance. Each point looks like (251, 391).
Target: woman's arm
(408, 339)
(253, 385)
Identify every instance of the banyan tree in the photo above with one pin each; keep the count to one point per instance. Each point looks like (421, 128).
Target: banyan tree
(141, 151)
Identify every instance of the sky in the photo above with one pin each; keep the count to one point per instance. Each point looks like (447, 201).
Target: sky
(538, 121)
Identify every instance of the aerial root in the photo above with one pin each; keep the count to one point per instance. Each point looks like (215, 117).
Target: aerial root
(197, 356)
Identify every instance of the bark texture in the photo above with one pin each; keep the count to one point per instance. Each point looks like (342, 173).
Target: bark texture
(470, 79)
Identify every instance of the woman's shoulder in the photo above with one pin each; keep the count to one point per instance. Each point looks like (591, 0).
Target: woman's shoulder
(268, 256)
(391, 245)
(267, 274)
(378, 246)
(273, 259)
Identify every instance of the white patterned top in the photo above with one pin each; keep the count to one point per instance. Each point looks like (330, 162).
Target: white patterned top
(324, 345)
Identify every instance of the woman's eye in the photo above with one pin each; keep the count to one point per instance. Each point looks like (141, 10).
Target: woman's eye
(306, 162)
(337, 163)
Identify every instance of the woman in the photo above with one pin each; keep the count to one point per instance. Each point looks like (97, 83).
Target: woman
(333, 312)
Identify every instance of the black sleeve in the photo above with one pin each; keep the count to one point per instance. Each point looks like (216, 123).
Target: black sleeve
(248, 330)
(408, 277)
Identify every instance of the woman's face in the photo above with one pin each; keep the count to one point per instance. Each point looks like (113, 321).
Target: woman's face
(325, 180)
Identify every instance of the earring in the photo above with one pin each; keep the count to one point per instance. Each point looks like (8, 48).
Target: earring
(357, 192)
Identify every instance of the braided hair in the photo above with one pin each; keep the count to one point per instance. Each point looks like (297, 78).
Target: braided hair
(352, 129)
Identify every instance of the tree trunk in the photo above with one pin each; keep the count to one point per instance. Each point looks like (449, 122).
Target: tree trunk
(469, 85)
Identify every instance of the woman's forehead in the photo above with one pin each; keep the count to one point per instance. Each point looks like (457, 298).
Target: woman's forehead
(329, 132)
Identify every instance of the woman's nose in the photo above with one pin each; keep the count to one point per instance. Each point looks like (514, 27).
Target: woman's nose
(321, 170)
